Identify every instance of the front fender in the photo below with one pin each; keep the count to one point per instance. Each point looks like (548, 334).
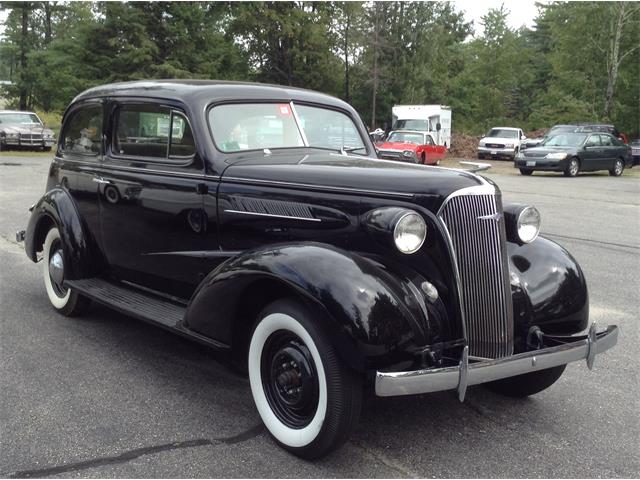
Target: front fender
(549, 289)
(56, 207)
(366, 310)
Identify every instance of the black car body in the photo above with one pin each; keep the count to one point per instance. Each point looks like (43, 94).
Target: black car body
(572, 153)
(253, 218)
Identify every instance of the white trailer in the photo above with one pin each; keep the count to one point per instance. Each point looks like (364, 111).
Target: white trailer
(434, 119)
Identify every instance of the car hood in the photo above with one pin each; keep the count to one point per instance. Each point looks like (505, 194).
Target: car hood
(498, 140)
(398, 146)
(542, 151)
(19, 128)
(352, 174)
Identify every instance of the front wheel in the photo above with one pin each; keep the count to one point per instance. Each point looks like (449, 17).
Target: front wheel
(528, 383)
(307, 398)
(573, 167)
(64, 300)
(618, 168)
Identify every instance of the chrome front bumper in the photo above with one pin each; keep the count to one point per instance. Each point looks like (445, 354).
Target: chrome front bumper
(586, 347)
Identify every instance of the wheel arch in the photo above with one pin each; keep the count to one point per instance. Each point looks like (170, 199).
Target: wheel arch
(57, 208)
(364, 307)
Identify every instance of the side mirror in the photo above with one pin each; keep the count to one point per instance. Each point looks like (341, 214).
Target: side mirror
(523, 137)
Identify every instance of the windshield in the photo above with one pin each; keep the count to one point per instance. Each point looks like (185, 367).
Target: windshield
(560, 129)
(565, 140)
(422, 125)
(19, 118)
(502, 133)
(238, 127)
(406, 137)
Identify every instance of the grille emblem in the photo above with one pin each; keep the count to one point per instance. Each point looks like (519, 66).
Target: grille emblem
(496, 216)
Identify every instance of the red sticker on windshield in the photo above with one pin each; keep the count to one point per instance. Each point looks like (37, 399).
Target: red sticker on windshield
(284, 109)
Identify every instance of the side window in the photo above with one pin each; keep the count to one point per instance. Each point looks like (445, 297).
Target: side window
(605, 140)
(593, 141)
(428, 140)
(82, 132)
(152, 131)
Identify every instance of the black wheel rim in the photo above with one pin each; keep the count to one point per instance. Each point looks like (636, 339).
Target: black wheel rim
(289, 379)
(56, 248)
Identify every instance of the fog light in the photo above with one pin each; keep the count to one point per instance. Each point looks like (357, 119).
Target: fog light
(430, 291)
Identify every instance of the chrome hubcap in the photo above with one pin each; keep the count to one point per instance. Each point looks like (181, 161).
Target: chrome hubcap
(574, 167)
(618, 167)
(56, 268)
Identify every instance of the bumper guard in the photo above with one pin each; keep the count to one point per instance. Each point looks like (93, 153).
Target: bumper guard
(584, 347)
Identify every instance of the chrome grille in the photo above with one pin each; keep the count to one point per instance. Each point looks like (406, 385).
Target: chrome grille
(31, 136)
(476, 227)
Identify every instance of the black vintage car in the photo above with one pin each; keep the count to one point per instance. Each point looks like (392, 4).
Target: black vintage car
(254, 219)
(571, 153)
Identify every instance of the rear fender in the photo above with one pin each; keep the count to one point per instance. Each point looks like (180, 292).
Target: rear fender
(362, 307)
(57, 208)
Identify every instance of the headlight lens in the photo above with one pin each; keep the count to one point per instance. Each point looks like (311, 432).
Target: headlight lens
(410, 232)
(13, 135)
(556, 156)
(519, 156)
(408, 153)
(508, 145)
(481, 144)
(528, 224)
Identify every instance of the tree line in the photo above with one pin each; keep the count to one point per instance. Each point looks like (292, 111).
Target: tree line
(580, 61)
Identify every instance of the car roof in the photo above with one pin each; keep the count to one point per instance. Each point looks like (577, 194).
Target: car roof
(505, 128)
(206, 91)
(16, 111)
(409, 131)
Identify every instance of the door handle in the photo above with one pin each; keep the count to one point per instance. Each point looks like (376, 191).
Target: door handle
(101, 181)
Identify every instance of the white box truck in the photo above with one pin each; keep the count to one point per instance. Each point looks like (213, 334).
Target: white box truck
(434, 119)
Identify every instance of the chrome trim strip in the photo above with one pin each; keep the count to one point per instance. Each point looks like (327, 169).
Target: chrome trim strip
(463, 378)
(389, 384)
(299, 125)
(272, 215)
(316, 187)
(108, 167)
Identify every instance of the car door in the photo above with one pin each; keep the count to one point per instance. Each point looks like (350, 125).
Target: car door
(78, 158)
(592, 154)
(609, 151)
(153, 221)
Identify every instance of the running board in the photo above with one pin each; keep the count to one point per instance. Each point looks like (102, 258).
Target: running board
(141, 305)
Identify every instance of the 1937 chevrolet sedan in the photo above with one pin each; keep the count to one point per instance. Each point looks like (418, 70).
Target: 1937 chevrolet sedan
(253, 218)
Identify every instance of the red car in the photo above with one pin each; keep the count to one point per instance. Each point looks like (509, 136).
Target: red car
(412, 146)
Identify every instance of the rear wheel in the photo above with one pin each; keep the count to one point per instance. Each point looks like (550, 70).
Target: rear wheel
(528, 383)
(573, 167)
(525, 171)
(307, 398)
(618, 168)
(64, 300)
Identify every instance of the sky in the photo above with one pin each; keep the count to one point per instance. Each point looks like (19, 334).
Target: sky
(521, 12)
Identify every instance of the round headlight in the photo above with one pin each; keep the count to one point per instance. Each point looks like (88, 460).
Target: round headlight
(408, 153)
(410, 232)
(528, 224)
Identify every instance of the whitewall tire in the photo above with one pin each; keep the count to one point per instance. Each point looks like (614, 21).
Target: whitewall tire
(63, 299)
(308, 400)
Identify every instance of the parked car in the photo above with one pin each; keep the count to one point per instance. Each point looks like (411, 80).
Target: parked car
(577, 127)
(413, 147)
(555, 130)
(24, 129)
(635, 151)
(604, 128)
(259, 224)
(501, 142)
(571, 153)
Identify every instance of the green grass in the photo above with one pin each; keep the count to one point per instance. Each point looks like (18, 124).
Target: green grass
(24, 153)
